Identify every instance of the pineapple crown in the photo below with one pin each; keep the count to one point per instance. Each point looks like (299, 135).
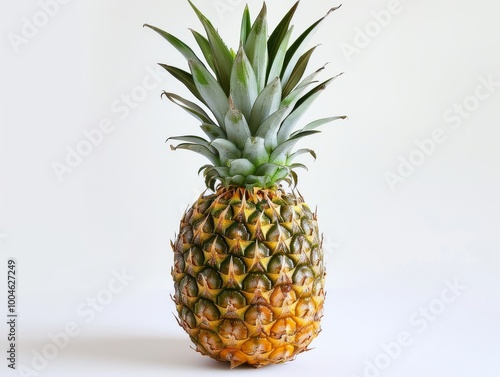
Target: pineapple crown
(256, 98)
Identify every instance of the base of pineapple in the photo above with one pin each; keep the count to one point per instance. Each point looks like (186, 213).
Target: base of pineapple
(257, 352)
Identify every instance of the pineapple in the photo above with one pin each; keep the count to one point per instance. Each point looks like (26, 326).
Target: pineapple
(248, 262)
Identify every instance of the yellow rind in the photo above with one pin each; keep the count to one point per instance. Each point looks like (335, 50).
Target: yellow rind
(266, 304)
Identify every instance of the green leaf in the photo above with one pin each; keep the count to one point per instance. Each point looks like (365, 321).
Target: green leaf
(300, 152)
(204, 167)
(300, 108)
(183, 48)
(237, 180)
(240, 166)
(317, 123)
(281, 174)
(257, 181)
(227, 150)
(210, 90)
(256, 48)
(184, 77)
(266, 103)
(272, 122)
(276, 64)
(269, 128)
(222, 57)
(221, 170)
(236, 128)
(205, 48)
(243, 84)
(211, 177)
(245, 26)
(194, 140)
(298, 72)
(255, 151)
(191, 107)
(293, 97)
(200, 149)
(318, 89)
(213, 131)
(295, 51)
(267, 169)
(279, 34)
(298, 166)
(282, 151)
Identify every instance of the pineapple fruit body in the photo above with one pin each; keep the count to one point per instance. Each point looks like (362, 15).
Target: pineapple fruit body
(249, 275)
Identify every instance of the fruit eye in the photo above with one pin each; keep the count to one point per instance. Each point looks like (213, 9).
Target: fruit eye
(206, 309)
(280, 264)
(231, 298)
(277, 233)
(210, 278)
(256, 281)
(237, 231)
(303, 276)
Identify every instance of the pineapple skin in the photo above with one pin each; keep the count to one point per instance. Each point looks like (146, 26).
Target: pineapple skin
(249, 275)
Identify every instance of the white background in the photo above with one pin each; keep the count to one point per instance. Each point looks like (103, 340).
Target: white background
(391, 252)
